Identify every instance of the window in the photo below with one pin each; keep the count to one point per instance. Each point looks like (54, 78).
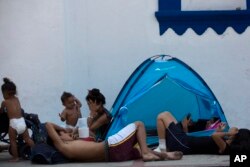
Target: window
(183, 14)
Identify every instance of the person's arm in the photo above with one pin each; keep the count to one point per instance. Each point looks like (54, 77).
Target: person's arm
(78, 103)
(79, 114)
(53, 134)
(233, 131)
(219, 135)
(103, 119)
(78, 106)
(220, 142)
(2, 107)
(91, 118)
(66, 136)
(59, 128)
(63, 115)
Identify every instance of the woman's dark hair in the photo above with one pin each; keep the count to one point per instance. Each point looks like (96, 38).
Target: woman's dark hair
(96, 96)
(9, 86)
(241, 142)
(65, 96)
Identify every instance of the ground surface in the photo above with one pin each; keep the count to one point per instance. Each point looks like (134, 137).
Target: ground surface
(186, 161)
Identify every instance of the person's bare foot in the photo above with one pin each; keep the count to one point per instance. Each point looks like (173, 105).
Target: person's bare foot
(14, 160)
(174, 155)
(150, 157)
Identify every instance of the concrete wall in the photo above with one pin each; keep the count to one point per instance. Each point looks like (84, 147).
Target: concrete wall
(32, 44)
(48, 47)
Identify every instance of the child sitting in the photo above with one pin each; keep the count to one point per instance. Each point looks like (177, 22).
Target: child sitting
(72, 111)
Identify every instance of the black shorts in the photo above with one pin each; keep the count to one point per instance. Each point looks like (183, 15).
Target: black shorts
(177, 139)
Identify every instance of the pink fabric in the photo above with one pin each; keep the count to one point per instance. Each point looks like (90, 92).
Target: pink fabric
(214, 125)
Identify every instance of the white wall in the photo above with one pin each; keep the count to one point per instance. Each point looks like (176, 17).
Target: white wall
(223, 62)
(32, 52)
(47, 47)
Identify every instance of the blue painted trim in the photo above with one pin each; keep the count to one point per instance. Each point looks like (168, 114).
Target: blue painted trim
(170, 16)
(169, 5)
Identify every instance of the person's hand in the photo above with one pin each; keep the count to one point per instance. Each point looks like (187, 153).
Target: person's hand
(68, 130)
(89, 120)
(185, 123)
(75, 136)
(221, 127)
(66, 136)
(75, 100)
(188, 120)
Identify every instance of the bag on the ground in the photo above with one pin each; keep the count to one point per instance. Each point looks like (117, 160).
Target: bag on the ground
(43, 153)
(40, 134)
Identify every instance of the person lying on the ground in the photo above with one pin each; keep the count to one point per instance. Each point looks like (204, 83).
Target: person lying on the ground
(173, 137)
(201, 124)
(128, 144)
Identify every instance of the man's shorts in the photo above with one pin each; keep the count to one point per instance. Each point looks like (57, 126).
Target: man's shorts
(176, 138)
(122, 145)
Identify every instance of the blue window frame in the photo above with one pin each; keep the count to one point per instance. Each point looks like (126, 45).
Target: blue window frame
(171, 16)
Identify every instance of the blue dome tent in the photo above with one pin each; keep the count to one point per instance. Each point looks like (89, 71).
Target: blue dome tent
(163, 83)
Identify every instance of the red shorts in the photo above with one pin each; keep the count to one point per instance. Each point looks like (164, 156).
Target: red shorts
(88, 139)
(122, 145)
